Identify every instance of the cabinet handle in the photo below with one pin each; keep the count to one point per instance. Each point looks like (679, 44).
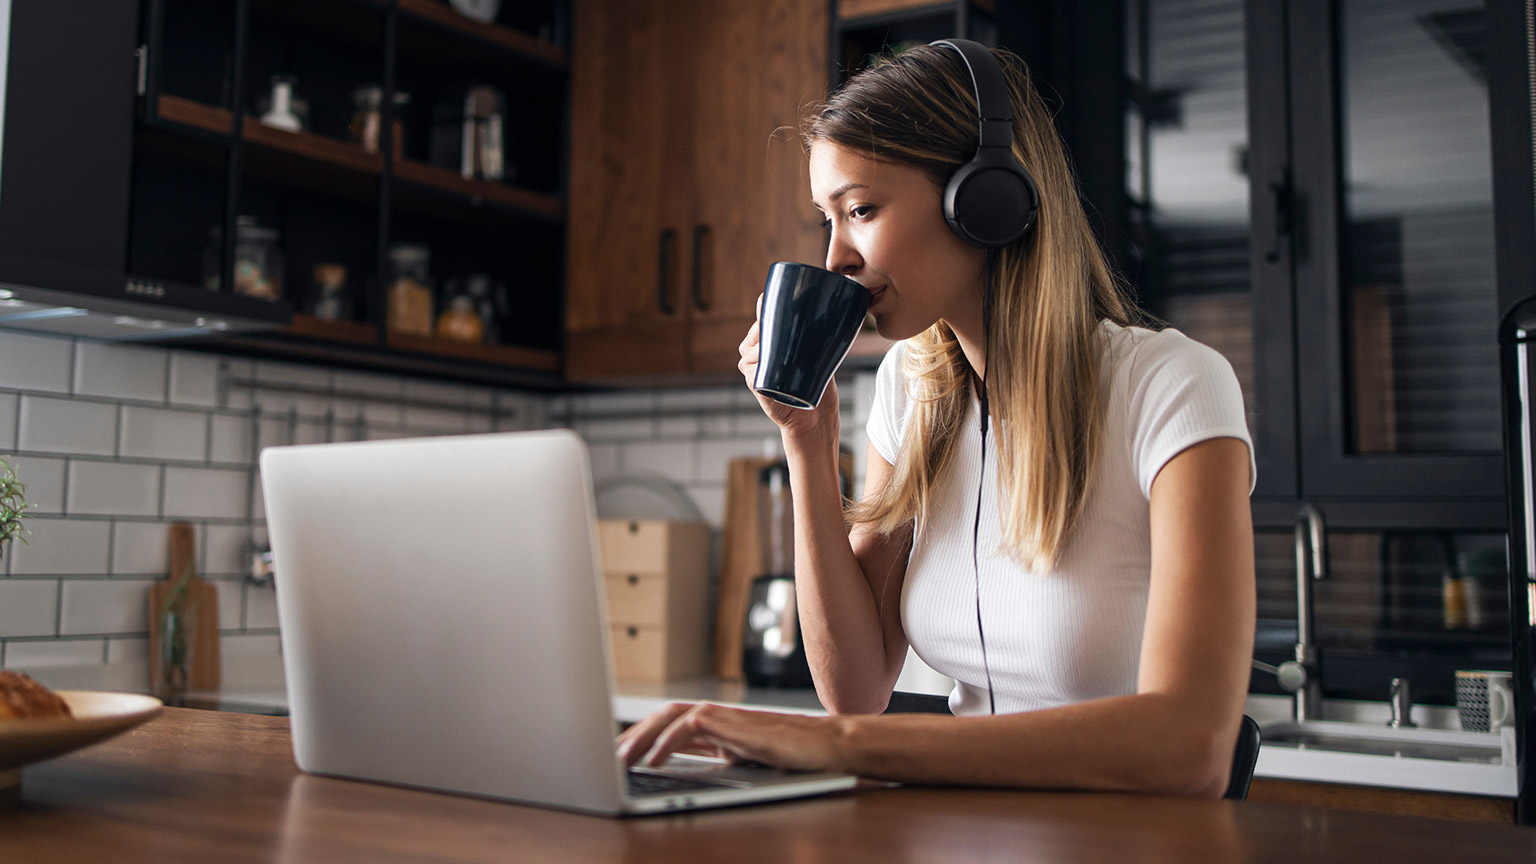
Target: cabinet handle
(633, 579)
(1281, 204)
(663, 267)
(700, 235)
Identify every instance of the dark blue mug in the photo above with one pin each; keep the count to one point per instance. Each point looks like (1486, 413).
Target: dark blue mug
(808, 320)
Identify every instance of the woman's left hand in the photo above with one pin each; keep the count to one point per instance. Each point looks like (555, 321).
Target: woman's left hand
(790, 741)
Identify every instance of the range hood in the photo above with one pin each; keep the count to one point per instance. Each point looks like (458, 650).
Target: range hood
(67, 103)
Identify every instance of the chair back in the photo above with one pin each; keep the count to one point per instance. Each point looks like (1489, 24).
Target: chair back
(1244, 760)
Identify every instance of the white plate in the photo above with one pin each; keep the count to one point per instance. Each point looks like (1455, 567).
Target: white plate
(98, 716)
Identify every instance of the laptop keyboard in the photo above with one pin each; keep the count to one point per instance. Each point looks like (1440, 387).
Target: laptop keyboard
(641, 784)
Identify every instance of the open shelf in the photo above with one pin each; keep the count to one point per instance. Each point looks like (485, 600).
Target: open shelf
(316, 149)
(500, 355)
(473, 195)
(471, 35)
(353, 332)
(180, 111)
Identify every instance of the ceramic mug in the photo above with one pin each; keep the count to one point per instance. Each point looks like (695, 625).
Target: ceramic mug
(808, 320)
(1485, 699)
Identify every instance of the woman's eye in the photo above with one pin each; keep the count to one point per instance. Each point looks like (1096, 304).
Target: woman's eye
(861, 211)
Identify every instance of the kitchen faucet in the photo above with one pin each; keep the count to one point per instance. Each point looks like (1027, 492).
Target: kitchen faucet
(1300, 676)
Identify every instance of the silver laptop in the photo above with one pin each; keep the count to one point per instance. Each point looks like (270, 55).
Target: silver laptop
(444, 626)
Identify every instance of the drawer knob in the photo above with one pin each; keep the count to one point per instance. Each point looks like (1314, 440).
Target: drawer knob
(634, 527)
(633, 579)
(632, 632)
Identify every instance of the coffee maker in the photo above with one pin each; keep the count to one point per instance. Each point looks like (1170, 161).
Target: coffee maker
(773, 653)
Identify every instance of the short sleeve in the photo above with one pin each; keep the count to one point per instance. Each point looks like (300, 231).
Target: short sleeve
(887, 417)
(1182, 393)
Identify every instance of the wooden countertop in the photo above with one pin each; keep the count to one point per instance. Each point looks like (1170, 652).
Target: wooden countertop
(211, 786)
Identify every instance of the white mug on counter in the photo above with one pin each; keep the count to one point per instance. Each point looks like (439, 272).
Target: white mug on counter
(1485, 699)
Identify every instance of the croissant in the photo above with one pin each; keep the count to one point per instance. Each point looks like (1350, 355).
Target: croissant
(23, 698)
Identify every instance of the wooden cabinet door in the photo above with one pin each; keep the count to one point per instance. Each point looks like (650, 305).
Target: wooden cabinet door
(756, 65)
(626, 309)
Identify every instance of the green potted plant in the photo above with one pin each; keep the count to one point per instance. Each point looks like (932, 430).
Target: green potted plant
(13, 507)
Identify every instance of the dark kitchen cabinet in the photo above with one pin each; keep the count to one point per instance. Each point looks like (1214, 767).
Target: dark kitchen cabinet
(687, 177)
(1315, 199)
(1311, 189)
(67, 175)
(136, 153)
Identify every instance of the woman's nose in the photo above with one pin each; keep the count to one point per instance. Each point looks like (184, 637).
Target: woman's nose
(842, 258)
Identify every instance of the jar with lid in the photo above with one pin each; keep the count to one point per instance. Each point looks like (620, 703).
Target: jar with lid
(258, 260)
(410, 289)
(328, 297)
(367, 119)
(460, 321)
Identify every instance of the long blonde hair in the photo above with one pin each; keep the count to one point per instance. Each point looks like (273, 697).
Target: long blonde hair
(1050, 291)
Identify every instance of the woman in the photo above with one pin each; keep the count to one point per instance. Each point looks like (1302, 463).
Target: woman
(1103, 639)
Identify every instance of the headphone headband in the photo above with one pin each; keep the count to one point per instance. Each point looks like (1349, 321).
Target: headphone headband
(993, 106)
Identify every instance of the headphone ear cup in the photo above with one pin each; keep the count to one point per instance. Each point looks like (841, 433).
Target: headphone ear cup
(990, 204)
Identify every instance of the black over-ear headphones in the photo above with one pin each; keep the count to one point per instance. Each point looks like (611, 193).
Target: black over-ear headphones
(991, 200)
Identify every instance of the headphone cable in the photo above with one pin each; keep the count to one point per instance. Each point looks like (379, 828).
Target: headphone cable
(986, 351)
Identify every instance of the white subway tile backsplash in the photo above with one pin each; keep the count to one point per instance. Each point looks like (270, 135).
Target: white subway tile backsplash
(61, 426)
(194, 379)
(129, 649)
(226, 550)
(671, 459)
(75, 546)
(754, 422)
(28, 607)
(429, 420)
(250, 645)
(606, 461)
(260, 607)
(697, 397)
(44, 479)
(113, 488)
(231, 597)
(618, 429)
(120, 371)
(268, 371)
(381, 413)
(436, 391)
(682, 426)
(100, 606)
(363, 382)
(710, 499)
(141, 549)
(41, 655)
(205, 493)
(714, 457)
(229, 439)
(617, 402)
(35, 362)
(157, 433)
(8, 409)
(237, 398)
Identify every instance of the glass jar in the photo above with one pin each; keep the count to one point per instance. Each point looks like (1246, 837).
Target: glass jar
(328, 297)
(258, 260)
(410, 290)
(367, 106)
(460, 321)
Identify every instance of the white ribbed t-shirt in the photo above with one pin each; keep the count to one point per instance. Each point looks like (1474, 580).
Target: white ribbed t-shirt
(1073, 633)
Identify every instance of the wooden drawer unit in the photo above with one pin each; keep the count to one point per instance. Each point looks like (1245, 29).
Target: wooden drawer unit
(657, 575)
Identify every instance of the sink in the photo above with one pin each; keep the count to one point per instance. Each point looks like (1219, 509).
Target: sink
(1377, 755)
(1441, 744)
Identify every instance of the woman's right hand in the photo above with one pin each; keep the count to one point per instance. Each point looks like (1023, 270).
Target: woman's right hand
(792, 422)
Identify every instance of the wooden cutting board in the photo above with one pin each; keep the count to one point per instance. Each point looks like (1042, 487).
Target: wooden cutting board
(742, 557)
(204, 597)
